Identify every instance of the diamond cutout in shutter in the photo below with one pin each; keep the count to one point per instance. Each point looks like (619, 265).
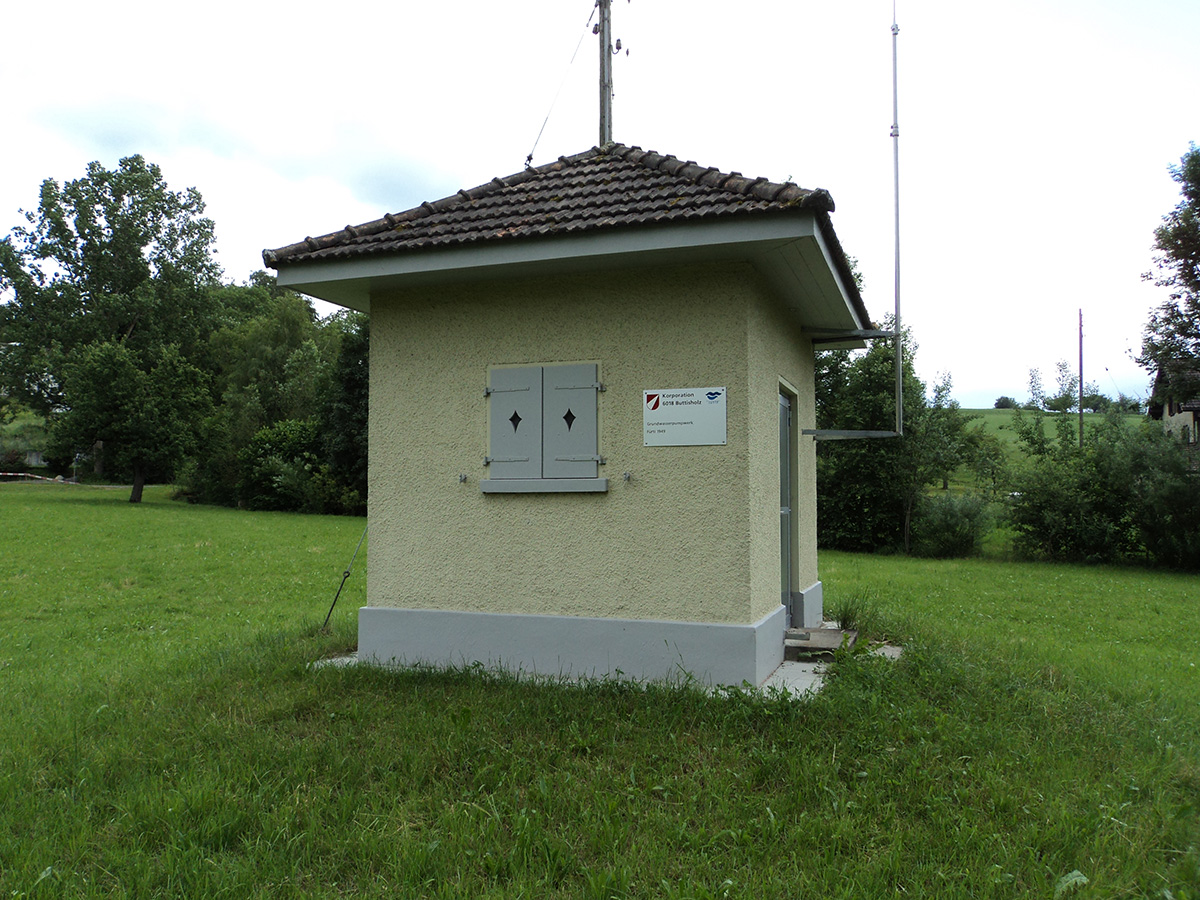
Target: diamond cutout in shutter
(515, 419)
(569, 418)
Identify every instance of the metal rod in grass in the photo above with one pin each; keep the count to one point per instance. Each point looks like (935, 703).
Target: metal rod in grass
(345, 575)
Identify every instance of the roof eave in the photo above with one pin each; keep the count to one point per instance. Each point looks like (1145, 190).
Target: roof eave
(796, 253)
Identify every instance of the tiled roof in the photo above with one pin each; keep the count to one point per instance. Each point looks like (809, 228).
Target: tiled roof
(611, 187)
(1179, 381)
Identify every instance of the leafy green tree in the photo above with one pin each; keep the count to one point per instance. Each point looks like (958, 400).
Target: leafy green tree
(869, 490)
(273, 365)
(1060, 510)
(1066, 396)
(115, 256)
(112, 269)
(345, 418)
(143, 407)
(1165, 490)
(1128, 404)
(1005, 402)
(289, 431)
(1094, 400)
(1171, 340)
(270, 368)
(988, 462)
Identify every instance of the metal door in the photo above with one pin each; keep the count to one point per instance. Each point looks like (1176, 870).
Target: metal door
(785, 502)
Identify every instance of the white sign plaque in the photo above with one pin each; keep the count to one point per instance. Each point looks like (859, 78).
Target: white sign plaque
(684, 417)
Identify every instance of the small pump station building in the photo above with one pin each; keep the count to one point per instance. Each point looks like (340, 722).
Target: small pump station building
(590, 383)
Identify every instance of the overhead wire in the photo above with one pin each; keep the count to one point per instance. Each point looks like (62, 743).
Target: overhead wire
(566, 72)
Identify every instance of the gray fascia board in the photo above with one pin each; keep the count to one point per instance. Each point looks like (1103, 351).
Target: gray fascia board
(841, 289)
(350, 282)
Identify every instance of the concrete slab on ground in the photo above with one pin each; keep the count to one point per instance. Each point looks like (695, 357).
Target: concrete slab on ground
(807, 676)
(808, 643)
(797, 678)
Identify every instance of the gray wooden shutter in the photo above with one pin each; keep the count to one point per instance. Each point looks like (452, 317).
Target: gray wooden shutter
(569, 433)
(515, 422)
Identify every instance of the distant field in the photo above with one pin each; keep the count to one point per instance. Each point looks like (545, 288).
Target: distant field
(25, 432)
(999, 422)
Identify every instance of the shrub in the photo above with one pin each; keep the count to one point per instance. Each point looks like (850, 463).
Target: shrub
(214, 474)
(949, 526)
(282, 470)
(1126, 491)
(1062, 512)
(1165, 496)
(277, 465)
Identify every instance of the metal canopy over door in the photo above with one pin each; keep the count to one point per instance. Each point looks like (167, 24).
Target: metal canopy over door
(785, 501)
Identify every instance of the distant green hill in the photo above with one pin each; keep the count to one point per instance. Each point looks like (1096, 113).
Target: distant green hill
(999, 422)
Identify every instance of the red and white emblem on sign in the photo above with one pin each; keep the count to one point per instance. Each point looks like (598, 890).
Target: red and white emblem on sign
(652, 401)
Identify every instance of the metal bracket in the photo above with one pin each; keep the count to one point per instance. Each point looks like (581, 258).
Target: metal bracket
(488, 391)
(598, 459)
(833, 335)
(595, 385)
(833, 434)
(488, 460)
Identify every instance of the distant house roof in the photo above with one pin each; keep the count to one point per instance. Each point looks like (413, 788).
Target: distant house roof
(609, 190)
(1178, 385)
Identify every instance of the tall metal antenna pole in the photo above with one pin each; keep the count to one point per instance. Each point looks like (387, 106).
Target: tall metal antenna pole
(1081, 379)
(896, 173)
(606, 78)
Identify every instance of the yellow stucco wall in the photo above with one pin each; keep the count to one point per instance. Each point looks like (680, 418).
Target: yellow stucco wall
(1181, 425)
(780, 357)
(691, 536)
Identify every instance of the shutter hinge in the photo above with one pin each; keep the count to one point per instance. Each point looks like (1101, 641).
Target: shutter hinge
(488, 460)
(488, 391)
(594, 458)
(595, 385)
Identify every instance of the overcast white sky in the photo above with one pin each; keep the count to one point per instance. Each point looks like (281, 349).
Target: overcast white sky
(1034, 150)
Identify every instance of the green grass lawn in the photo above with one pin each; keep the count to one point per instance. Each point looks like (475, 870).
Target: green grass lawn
(162, 734)
(1126, 631)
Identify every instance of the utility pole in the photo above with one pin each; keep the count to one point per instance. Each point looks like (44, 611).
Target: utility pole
(606, 78)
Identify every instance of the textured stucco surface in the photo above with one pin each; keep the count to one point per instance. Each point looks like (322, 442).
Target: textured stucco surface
(1182, 424)
(779, 357)
(692, 535)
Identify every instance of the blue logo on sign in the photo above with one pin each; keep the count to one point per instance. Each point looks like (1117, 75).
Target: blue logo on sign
(713, 395)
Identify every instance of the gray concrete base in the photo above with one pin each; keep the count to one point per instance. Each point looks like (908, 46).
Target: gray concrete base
(575, 647)
(808, 607)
